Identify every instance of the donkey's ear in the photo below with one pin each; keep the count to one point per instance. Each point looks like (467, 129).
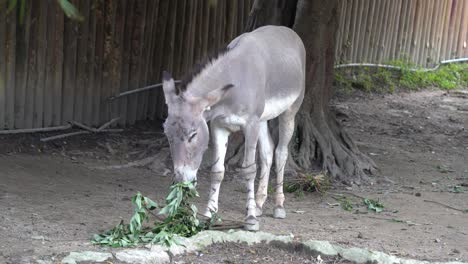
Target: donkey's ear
(168, 87)
(215, 96)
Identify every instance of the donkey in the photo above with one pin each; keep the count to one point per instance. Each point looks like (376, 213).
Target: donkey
(261, 76)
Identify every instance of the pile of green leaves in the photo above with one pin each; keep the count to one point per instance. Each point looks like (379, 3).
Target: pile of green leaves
(181, 219)
(373, 205)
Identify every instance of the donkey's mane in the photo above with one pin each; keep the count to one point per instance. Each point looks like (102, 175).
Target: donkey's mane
(199, 67)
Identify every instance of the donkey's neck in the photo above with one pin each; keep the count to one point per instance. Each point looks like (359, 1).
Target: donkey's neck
(215, 75)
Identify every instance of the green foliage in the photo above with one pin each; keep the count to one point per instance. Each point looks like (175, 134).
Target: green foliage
(181, 219)
(447, 77)
(373, 205)
(346, 204)
(68, 8)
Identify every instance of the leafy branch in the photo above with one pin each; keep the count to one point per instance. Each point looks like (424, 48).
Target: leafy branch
(68, 8)
(181, 219)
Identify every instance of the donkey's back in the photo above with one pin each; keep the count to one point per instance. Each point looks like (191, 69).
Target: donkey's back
(276, 55)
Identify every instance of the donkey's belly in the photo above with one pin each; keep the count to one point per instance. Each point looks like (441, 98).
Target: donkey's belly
(277, 105)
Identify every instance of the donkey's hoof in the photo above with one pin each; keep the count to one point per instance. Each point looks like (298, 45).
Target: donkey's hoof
(258, 211)
(207, 213)
(279, 213)
(251, 224)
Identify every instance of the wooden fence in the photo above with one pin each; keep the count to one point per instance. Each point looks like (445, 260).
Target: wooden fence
(423, 31)
(54, 70)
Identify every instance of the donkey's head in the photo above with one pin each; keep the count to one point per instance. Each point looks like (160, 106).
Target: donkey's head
(186, 128)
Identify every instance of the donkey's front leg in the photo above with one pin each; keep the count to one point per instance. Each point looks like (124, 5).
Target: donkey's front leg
(249, 168)
(220, 138)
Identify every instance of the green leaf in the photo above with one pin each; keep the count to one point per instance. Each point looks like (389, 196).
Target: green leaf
(373, 205)
(70, 10)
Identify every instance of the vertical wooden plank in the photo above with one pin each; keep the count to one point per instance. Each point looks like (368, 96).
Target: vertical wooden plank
(100, 13)
(352, 30)
(451, 29)
(403, 31)
(240, 16)
(159, 53)
(383, 30)
(457, 27)
(416, 30)
(411, 27)
(397, 32)
(423, 59)
(147, 56)
(407, 17)
(367, 46)
(3, 52)
(168, 61)
(32, 65)
(192, 42)
(82, 73)
(440, 28)
(389, 30)
(91, 55)
(182, 32)
(347, 35)
(126, 61)
(431, 54)
(356, 26)
(462, 42)
(113, 59)
(70, 65)
(199, 30)
(340, 32)
(10, 62)
(41, 65)
(360, 34)
(207, 17)
(49, 66)
(59, 40)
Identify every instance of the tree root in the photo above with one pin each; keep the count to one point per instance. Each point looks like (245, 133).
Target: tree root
(322, 139)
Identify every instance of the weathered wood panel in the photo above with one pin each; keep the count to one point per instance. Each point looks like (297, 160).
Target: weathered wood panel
(424, 31)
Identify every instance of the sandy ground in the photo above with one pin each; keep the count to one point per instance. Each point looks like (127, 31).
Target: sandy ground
(52, 200)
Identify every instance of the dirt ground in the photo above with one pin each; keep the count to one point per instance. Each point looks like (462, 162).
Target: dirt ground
(235, 253)
(53, 199)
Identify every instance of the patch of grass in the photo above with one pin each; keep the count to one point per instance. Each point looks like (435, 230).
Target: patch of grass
(307, 183)
(446, 77)
(181, 219)
(346, 204)
(373, 205)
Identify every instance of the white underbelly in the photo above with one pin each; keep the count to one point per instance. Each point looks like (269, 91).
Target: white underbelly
(276, 106)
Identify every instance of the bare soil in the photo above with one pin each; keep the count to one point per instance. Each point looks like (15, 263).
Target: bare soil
(235, 253)
(52, 199)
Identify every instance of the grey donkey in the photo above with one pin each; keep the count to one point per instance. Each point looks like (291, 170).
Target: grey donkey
(261, 76)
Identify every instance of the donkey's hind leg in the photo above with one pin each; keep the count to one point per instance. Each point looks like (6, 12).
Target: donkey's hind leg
(266, 158)
(249, 169)
(220, 138)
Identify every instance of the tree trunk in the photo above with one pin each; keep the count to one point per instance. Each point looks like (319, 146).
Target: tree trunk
(319, 137)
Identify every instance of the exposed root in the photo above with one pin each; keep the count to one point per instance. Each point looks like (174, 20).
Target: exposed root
(322, 139)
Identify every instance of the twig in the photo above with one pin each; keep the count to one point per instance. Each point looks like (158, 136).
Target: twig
(64, 136)
(448, 206)
(34, 130)
(349, 193)
(108, 124)
(139, 90)
(137, 163)
(82, 126)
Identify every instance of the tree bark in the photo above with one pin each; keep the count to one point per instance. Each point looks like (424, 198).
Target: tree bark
(320, 140)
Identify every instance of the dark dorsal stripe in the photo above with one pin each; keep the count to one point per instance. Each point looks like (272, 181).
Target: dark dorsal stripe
(198, 68)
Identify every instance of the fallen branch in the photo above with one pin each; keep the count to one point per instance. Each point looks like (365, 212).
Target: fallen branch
(400, 68)
(64, 136)
(139, 90)
(34, 130)
(106, 125)
(447, 206)
(138, 163)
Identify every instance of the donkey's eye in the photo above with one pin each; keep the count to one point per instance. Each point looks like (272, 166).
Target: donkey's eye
(192, 136)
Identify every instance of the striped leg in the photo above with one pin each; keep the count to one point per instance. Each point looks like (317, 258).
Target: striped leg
(266, 157)
(249, 167)
(220, 138)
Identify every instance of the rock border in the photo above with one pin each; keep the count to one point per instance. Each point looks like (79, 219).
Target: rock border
(156, 254)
